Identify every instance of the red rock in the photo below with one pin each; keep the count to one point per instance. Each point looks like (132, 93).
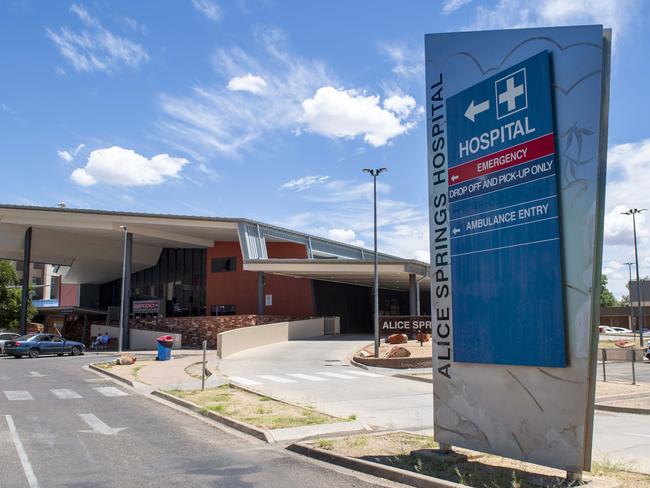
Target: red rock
(398, 339)
(421, 336)
(397, 352)
(126, 359)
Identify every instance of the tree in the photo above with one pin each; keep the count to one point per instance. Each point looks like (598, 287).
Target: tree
(10, 298)
(607, 298)
(624, 301)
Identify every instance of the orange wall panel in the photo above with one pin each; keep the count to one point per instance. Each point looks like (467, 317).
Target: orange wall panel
(291, 296)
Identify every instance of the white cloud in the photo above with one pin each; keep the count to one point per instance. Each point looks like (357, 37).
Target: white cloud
(95, 48)
(401, 105)
(407, 63)
(303, 183)
(124, 167)
(453, 5)
(628, 179)
(207, 171)
(213, 119)
(249, 83)
(68, 156)
(523, 13)
(65, 155)
(348, 114)
(208, 8)
(345, 235)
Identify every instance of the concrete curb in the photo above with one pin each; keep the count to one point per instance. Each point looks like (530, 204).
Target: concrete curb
(615, 408)
(256, 432)
(413, 378)
(371, 468)
(112, 375)
(359, 365)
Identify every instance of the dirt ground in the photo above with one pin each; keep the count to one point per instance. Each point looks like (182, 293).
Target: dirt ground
(253, 409)
(418, 453)
(129, 372)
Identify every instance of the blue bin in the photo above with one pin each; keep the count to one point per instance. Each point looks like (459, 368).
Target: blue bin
(164, 352)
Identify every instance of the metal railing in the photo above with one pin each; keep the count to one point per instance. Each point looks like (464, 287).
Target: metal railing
(608, 357)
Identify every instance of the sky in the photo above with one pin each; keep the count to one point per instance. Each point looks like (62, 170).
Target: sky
(270, 110)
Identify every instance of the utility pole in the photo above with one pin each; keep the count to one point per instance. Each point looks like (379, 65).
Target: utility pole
(633, 212)
(629, 268)
(374, 173)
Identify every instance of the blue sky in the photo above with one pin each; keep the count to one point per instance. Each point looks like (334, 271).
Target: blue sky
(270, 109)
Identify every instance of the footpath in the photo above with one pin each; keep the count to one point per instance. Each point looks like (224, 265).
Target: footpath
(182, 372)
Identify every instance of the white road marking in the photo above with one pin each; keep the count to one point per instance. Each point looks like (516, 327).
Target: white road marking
(36, 374)
(338, 375)
(307, 377)
(98, 426)
(364, 373)
(65, 394)
(18, 395)
(22, 455)
(275, 379)
(110, 391)
(244, 381)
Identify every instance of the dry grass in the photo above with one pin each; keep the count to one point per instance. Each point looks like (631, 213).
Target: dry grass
(469, 467)
(253, 409)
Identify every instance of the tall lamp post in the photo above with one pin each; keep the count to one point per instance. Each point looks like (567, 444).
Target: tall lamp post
(124, 292)
(629, 268)
(633, 212)
(375, 290)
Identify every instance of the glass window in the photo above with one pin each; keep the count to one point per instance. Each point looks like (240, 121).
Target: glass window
(219, 265)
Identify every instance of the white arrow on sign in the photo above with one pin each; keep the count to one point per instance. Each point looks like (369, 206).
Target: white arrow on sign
(455, 231)
(473, 110)
(97, 426)
(454, 178)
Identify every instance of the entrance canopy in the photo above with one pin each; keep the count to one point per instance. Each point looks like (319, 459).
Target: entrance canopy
(393, 275)
(91, 242)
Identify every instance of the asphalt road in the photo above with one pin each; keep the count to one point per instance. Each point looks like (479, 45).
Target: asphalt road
(622, 371)
(60, 426)
(389, 403)
(318, 373)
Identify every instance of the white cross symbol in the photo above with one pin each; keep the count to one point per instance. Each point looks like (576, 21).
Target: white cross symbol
(510, 95)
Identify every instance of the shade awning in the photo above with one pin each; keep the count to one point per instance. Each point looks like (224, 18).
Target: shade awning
(393, 275)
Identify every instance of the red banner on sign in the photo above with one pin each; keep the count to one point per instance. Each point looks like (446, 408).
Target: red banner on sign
(506, 158)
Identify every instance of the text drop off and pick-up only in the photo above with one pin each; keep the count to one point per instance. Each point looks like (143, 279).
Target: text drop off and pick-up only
(506, 282)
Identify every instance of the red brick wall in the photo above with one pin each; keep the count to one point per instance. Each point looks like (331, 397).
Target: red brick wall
(291, 296)
(197, 329)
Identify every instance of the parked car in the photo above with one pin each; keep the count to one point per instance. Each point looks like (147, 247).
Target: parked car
(34, 345)
(647, 351)
(605, 329)
(4, 337)
(621, 330)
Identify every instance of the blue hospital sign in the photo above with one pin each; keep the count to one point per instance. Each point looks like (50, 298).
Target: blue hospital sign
(506, 272)
(516, 210)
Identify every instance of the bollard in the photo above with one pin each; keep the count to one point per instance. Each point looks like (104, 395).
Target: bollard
(633, 361)
(604, 354)
(205, 346)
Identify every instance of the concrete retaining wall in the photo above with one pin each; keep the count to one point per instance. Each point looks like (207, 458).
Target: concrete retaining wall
(238, 340)
(138, 339)
(621, 354)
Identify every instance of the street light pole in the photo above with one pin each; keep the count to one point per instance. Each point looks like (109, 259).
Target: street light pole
(633, 212)
(124, 292)
(629, 268)
(374, 173)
